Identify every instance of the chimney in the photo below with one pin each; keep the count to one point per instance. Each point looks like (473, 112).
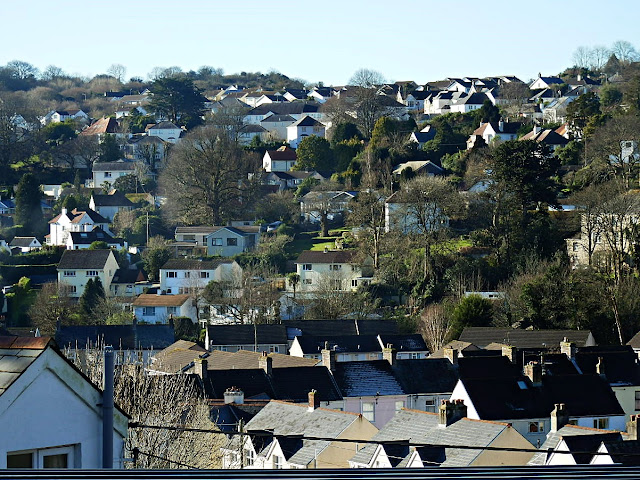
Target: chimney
(329, 357)
(63, 211)
(451, 354)
(533, 370)
(510, 352)
(600, 368)
(568, 348)
(200, 366)
(632, 427)
(450, 412)
(501, 125)
(266, 363)
(233, 395)
(559, 417)
(389, 354)
(314, 400)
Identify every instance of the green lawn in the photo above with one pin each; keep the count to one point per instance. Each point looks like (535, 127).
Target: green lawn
(313, 241)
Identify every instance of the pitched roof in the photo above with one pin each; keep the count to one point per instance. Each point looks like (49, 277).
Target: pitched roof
(95, 235)
(151, 300)
(115, 199)
(620, 364)
(306, 121)
(428, 375)
(339, 343)
(331, 256)
(483, 336)
(417, 166)
(165, 126)
(347, 327)
(16, 354)
(624, 452)
(192, 264)
(102, 126)
(128, 337)
(85, 259)
(244, 334)
(550, 137)
(278, 118)
(118, 166)
(554, 438)
(366, 378)
(284, 108)
(283, 153)
(75, 216)
(22, 241)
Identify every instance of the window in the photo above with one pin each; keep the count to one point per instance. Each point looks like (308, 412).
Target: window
(249, 457)
(107, 174)
(72, 289)
(187, 274)
(369, 411)
(335, 268)
(414, 355)
(232, 242)
(92, 273)
(69, 273)
(576, 246)
(148, 311)
(637, 399)
(189, 238)
(307, 281)
(172, 274)
(354, 283)
(399, 405)
(430, 405)
(129, 289)
(536, 427)
(274, 349)
(306, 267)
(172, 310)
(57, 457)
(204, 274)
(601, 423)
(216, 242)
(277, 462)
(20, 460)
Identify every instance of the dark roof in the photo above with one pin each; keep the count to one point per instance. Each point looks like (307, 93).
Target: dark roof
(244, 334)
(192, 264)
(550, 137)
(127, 337)
(128, 275)
(95, 235)
(253, 382)
(582, 447)
(22, 241)
(483, 336)
(115, 199)
(487, 368)
(165, 126)
(367, 378)
(620, 363)
(279, 118)
(405, 342)
(430, 375)
(113, 166)
(624, 452)
(423, 137)
(307, 121)
(86, 259)
(346, 327)
(227, 417)
(332, 256)
(339, 343)
(282, 153)
(295, 383)
(284, 108)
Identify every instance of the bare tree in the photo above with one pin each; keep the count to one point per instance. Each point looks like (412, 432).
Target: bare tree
(366, 78)
(367, 216)
(582, 57)
(624, 51)
(589, 202)
(434, 326)
(599, 56)
(118, 71)
(206, 174)
(163, 400)
(52, 303)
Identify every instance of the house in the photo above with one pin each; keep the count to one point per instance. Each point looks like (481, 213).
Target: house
(440, 433)
(133, 344)
(159, 309)
(500, 132)
(350, 348)
(469, 103)
(67, 222)
(527, 400)
(547, 137)
(423, 136)
(102, 127)
(149, 149)
(247, 133)
(282, 419)
(4, 246)
(276, 126)
(109, 205)
(281, 160)
(291, 179)
(128, 282)
(50, 413)
(620, 451)
(76, 267)
(304, 127)
(230, 241)
(184, 276)
(330, 204)
(271, 338)
(106, 173)
(403, 215)
(335, 270)
(296, 110)
(58, 116)
(545, 82)
(419, 167)
(25, 244)
(78, 240)
(7, 206)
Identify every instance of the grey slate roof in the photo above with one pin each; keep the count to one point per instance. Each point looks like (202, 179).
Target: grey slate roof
(429, 375)
(126, 337)
(84, 259)
(367, 378)
(115, 199)
(554, 438)
(22, 241)
(191, 264)
(244, 334)
(483, 336)
(113, 166)
(288, 419)
(422, 427)
(336, 256)
(284, 108)
(16, 355)
(345, 327)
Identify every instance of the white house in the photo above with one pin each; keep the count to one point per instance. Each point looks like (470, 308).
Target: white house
(51, 414)
(79, 240)
(401, 215)
(4, 246)
(304, 127)
(230, 241)
(276, 125)
(76, 267)
(154, 309)
(109, 205)
(183, 276)
(25, 244)
(333, 270)
(75, 221)
(500, 132)
(57, 116)
(281, 160)
(106, 173)
(469, 103)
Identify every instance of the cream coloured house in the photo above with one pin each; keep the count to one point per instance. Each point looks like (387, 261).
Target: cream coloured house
(76, 267)
(338, 270)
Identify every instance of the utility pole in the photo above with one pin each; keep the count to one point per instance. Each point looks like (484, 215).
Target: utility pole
(241, 429)
(147, 229)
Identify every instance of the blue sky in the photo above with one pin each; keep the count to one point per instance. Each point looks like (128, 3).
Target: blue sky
(409, 40)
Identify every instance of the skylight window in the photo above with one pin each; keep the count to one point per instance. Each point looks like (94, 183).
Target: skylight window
(522, 385)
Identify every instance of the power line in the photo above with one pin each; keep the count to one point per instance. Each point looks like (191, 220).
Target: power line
(407, 442)
(137, 451)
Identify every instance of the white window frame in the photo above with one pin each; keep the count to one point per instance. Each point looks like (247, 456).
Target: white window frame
(92, 273)
(148, 311)
(307, 267)
(171, 274)
(368, 410)
(69, 273)
(38, 455)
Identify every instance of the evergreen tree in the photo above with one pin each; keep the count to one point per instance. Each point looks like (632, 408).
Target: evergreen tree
(109, 149)
(92, 296)
(28, 208)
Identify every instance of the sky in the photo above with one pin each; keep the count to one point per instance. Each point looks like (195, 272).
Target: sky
(314, 41)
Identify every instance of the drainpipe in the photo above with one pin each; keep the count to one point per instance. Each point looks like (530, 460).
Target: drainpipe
(107, 409)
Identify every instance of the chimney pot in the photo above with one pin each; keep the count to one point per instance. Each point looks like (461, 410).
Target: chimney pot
(632, 427)
(510, 352)
(329, 359)
(389, 354)
(451, 411)
(533, 370)
(234, 395)
(266, 363)
(559, 417)
(568, 348)
(451, 354)
(200, 367)
(314, 400)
